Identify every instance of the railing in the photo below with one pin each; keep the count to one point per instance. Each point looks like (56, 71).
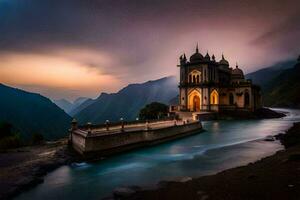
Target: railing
(130, 126)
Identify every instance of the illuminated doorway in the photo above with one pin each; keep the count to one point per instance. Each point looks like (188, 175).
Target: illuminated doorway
(194, 101)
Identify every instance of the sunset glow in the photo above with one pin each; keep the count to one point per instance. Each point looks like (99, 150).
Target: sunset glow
(84, 53)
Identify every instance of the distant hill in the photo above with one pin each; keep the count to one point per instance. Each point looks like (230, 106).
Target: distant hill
(32, 113)
(64, 104)
(284, 89)
(263, 76)
(81, 106)
(69, 107)
(128, 101)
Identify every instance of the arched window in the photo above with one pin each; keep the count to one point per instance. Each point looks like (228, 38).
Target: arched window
(247, 99)
(231, 99)
(214, 97)
(194, 76)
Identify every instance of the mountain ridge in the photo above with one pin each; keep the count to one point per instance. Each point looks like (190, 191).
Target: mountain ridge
(32, 113)
(127, 102)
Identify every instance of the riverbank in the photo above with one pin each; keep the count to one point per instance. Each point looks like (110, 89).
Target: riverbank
(25, 167)
(274, 177)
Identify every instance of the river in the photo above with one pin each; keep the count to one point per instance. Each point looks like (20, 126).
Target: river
(224, 144)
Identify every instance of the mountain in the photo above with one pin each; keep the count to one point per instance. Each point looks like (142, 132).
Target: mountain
(32, 113)
(79, 101)
(284, 89)
(265, 75)
(69, 107)
(128, 101)
(81, 106)
(64, 104)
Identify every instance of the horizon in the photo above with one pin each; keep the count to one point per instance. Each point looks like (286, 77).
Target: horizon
(65, 52)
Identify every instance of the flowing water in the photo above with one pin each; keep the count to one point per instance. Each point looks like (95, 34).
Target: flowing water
(224, 144)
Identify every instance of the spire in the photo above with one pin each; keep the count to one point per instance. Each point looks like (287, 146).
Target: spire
(184, 57)
(207, 53)
(237, 66)
(213, 57)
(197, 49)
(223, 57)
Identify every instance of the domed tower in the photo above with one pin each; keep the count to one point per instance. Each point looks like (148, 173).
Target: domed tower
(196, 57)
(223, 63)
(237, 75)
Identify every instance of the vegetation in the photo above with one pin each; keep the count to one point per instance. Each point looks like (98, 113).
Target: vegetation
(32, 113)
(9, 138)
(154, 110)
(37, 138)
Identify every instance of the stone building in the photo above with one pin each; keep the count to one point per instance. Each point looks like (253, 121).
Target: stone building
(209, 85)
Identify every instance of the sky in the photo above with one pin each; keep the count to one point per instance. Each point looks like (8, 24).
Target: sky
(73, 48)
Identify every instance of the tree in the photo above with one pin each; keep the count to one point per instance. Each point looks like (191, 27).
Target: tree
(9, 138)
(153, 110)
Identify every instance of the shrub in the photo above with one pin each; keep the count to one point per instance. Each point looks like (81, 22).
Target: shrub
(154, 110)
(37, 138)
(9, 138)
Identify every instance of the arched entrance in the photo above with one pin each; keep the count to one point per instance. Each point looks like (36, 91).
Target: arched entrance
(194, 100)
(196, 103)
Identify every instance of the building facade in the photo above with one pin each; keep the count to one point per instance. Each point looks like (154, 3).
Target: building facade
(208, 85)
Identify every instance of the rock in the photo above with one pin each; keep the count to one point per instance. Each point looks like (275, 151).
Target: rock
(294, 157)
(270, 138)
(204, 197)
(185, 179)
(123, 192)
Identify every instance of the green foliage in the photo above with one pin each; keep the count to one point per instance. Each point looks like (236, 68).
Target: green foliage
(37, 138)
(8, 137)
(153, 110)
(5, 129)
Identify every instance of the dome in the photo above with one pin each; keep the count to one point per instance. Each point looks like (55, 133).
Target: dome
(196, 56)
(237, 73)
(223, 61)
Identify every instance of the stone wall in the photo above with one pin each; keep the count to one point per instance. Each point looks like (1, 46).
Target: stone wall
(110, 143)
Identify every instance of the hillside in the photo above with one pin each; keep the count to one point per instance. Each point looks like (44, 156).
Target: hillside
(284, 90)
(263, 76)
(32, 113)
(128, 101)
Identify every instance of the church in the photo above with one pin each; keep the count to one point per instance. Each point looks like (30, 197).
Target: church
(213, 86)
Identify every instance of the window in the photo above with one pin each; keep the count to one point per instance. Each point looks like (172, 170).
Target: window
(194, 76)
(214, 97)
(247, 99)
(231, 99)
